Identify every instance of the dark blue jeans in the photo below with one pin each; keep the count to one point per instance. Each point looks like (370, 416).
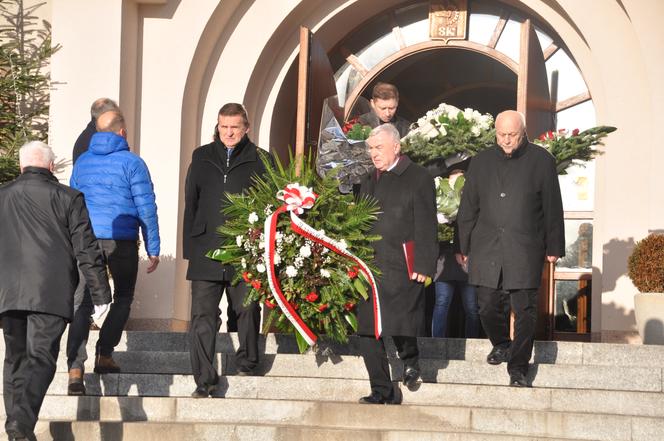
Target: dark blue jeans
(121, 258)
(444, 293)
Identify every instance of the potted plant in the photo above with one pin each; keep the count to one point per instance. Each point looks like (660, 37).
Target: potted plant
(646, 269)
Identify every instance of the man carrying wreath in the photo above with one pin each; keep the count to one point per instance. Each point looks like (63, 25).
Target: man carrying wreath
(405, 193)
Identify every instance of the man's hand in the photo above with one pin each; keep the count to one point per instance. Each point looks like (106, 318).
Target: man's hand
(419, 277)
(552, 259)
(461, 259)
(154, 261)
(99, 311)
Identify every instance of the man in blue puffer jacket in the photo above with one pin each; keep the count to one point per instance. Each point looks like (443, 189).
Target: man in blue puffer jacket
(120, 197)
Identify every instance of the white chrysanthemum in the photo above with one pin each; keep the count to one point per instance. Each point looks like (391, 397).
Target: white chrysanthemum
(253, 217)
(268, 210)
(244, 263)
(260, 268)
(298, 262)
(343, 245)
(261, 245)
(305, 251)
(475, 130)
(291, 271)
(238, 240)
(325, 273)
(277, 259)
(437, 180)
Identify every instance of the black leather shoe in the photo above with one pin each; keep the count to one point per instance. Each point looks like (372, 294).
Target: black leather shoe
(14, 432)
(517, 379)
(203, 391)
(376, 398)
(498, 355)
(410, 377)
(245, 372)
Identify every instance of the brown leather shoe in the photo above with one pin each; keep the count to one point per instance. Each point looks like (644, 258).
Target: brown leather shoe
(76, 385)
(106, 365)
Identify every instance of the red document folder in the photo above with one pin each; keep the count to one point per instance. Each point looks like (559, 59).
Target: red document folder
(409, 254)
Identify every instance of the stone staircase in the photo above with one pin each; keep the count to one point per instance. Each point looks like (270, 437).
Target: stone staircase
(582, 391)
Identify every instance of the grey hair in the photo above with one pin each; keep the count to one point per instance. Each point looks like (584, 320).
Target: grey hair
(387, 129)
(36, 154)
(102, 105)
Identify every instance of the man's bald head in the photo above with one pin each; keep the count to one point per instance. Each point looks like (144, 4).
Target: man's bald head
(112, 121)
(510, 130)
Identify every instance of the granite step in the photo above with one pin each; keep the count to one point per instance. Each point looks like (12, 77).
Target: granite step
(647, 404)
(545, 352)
(355, 417)
(145, 431)
(631, 378)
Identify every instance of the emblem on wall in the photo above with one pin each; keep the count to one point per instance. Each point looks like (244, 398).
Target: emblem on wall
(447, 20)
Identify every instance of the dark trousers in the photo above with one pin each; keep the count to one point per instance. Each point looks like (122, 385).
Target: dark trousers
(495, 307)
(205, 324)
(121, 258)
(375, 360)
(32, 343)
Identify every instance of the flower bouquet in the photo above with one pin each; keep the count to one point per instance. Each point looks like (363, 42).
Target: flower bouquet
(568, 147)
(448, 199)
(301, 246)
(342, 147)
(445, 131)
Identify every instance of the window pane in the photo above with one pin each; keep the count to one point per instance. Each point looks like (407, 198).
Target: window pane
(578, 244)
(481, 27)
(572, 305)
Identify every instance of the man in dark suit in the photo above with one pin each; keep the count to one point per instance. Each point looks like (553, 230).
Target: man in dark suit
(510, 222)
(99, 106)
(384, 103)
(406, 195)
(45, 230)
(226, 165)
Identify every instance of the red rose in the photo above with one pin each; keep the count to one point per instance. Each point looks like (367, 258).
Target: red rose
(270, 304)
(352, 273)
(323, 307)
(348, 306)
(312, 296)
(295, 306)
(256, 284)
(575, 132)
(542, 137)
(246, 276)
(549, 134)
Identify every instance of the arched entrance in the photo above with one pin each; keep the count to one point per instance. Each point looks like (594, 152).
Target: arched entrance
(507, 59)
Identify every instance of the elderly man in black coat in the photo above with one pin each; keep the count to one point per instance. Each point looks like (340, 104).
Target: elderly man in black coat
(45, 230)
(510, 222)
(406, 195)
(226, 165)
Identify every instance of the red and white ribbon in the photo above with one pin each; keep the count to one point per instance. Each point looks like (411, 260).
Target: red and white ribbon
(297, 198)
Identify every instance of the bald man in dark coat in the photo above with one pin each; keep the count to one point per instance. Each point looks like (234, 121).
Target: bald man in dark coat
(510, 223)
(406, 195)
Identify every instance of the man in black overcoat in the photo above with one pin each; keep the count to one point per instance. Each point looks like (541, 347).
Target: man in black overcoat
(99, 106)
(45, 230)
(510, 223)
(225, 165)
(406, 195)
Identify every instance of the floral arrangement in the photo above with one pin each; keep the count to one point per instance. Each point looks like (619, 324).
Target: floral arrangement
(356, 131)
(301, 247)
(568, 147)
(448, 199)
(447, 130)
(342, 150)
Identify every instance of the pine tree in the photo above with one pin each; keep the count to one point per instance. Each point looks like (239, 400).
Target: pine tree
(25, 52)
